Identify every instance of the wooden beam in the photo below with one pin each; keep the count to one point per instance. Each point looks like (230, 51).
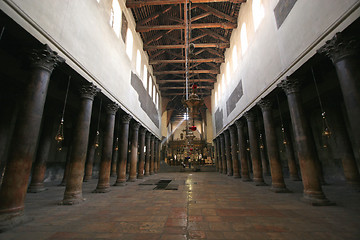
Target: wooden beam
(198, 37)
(158, 54)
(215, 35)
(200, 16)
(212, 71)
(183, 81)
(182, 26)
(183, 87)
(216, 12)
(141, 3)
(204, 60)
(178, 46)
(154, 15)
(213, 51)
(157, 37)
(180, 93)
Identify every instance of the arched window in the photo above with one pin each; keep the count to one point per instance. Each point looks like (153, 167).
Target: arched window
(243, 36)
(115, 17)
(219, 91)
(145, 74)
(223, 83)
(258, 13)
(228, 74)
(154, 94)
(234, 58)
(138, 62)
(129, 43)
(150, 86)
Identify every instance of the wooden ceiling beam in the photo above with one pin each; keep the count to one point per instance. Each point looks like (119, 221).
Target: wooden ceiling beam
(158, 54)
(198, 37)
(183, 81)
(216, 12)
(225, 25)
(200, 16)
(213, 51)
(155, 15)
(215, 35)
(212, 71)
(157, 37)
(142, 3)
(164, 94)
(183, 87)
(203, 60)
(178, 46)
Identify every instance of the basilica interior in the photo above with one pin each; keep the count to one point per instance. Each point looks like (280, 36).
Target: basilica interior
(179, 119)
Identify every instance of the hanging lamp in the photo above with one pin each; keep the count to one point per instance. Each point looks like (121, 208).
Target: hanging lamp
(97, 137)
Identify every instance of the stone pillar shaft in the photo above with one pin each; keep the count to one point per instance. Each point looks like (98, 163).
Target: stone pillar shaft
(142, 134)
(147, 154)
(105, 164)
(218, 146)
(234, 151)
(123, 150)
(152, 155)
(228, 153)
(90, 156)
(242, 151)
(73, 191)
(134, 152)
(67, 165)
(115, 148)
(25, 136)
(290, 155)
(223, 157)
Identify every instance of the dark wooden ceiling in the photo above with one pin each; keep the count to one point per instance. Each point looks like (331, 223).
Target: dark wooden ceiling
(161, 24)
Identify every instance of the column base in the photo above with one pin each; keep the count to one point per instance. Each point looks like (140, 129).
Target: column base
(113, 174)
(140, 176)
(280, 190)
(120, 183)
(229, 174)
(87, 178)
(147, 174)
(259, 182)
(151, 173)
(131, 180)
(246, 179)
(36, 188)
(72, 201)
(237, 176)
(11, 220)
(316, 199)
(295, 178)
(101, 190)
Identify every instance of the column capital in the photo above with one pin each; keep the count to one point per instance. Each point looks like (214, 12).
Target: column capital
(111, 108)
(125, 118)
(339, 47)
(239, 123)
(45, 58)
(89, 91)
(265, 104)
(135, 126)
(290, 85)
(250, 116)
(152, 137)
(142, 131)
(227, 132)
(222, 136)
(232, 129)
(148, 135)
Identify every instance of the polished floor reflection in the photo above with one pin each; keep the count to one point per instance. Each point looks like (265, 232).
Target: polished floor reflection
(205, 206)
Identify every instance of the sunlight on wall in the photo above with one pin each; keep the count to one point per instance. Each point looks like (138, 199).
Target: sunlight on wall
(115, 17)
(234, 58)
(228, 73)
(145, 75)
(150, 86)
(216, 99)
(258, 13)
(138, 62)
(223, 83)
(129, 43)
(243, 37)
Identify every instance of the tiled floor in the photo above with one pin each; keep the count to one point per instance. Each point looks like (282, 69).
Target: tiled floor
(206, 206)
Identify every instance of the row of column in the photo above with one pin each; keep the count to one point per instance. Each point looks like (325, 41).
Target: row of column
(26, 133)
(231, 149)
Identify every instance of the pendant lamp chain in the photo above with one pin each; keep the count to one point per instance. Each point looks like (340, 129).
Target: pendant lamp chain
(97, 137)
(282, 123)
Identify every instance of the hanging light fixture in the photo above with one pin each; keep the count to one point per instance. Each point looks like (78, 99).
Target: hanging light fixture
(261, 141)
(59, 137)
(97, 137)
(283, 134)
(325, 133)
(247, 145)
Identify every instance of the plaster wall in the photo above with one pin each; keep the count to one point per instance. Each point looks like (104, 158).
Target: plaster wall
(81, 33)
(273, 53)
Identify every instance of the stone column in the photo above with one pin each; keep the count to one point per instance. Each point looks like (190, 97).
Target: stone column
(242, 151)
(290, 155)
(103, 185)
(147, 153)
(218, 147)
(152, 155)
(134, 151)
(278, 184)
(158, 155)
(25, 136)
(234, 151)
(123, 150)
(73, 190)
(228, 153)
(90, 159)
(142, 134)
(254, 149)
(115, 149)
(67, 165)
(223, 157)
(343, 51)
(37, 178)
(305, 151)
(215, 155)
(156, 146)
(264, 163)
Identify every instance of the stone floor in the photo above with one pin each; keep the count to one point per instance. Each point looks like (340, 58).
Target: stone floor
(205, 206)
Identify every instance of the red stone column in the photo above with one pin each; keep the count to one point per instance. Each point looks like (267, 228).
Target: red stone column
(223, 154)
(234, 151)
(90, 159)
(142, 134)
(215, 155)
(229, 165)
(242, 151)
(67, 165)
(264, 162)
(25, 136)
(123, 150)
(254, 149)
(218, 147)
(344, 53)
(147, 154)
(103, 185)
(39, 169)
(290, 155)
(157, 156)
(278, 184)
(305, 151)
(156, 148)
(115, 149)
(134, 151)
(152, 154)
(73, 191)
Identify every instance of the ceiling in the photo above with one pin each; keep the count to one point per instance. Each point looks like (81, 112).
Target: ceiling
(162, 26)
